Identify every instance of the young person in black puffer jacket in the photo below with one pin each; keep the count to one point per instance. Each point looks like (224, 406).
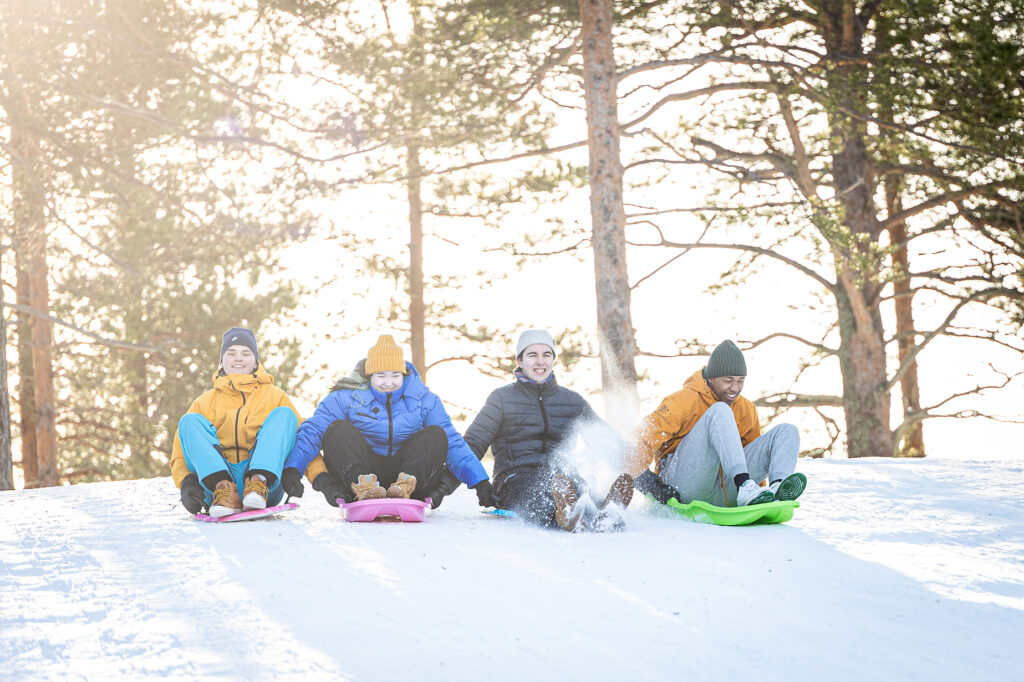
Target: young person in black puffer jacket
(526, 424)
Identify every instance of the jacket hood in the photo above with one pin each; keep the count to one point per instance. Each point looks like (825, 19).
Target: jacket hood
(354, 380)
(699, 385)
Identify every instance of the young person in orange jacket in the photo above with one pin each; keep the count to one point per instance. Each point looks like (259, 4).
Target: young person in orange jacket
(706, 442)
(235, 436)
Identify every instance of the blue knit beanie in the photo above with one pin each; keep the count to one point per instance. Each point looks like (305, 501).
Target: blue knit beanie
(239, 336)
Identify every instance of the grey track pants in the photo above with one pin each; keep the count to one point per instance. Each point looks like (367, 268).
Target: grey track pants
(715, 441)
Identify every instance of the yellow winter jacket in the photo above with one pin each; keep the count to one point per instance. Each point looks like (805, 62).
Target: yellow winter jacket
(236, 406)
(660, 432)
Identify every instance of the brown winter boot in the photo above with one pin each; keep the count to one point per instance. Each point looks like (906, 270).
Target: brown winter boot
(367, 488)
(403, 487)
(620, 493)
(225, 499)
(564, 494)
(612, 514)
(255, 494)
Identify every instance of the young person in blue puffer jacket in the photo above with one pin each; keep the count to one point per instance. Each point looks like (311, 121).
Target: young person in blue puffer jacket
(383, 433)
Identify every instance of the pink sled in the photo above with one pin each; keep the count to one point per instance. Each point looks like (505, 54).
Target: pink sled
(409, 511)
(246, 515)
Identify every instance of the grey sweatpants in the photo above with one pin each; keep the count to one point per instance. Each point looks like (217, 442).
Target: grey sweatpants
(715, 441)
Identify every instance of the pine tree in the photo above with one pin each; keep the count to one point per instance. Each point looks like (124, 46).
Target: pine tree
(148, 125)
(833, 126)
(427, 100)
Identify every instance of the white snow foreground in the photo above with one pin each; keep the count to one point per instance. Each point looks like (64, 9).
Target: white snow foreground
(890, 570)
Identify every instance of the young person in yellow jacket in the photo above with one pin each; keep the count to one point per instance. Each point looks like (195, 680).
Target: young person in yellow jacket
(706, 442)
(234, 436)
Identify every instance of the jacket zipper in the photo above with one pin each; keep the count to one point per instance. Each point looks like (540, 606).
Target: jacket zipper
(391, 428)
(238, 414)
(544, 416)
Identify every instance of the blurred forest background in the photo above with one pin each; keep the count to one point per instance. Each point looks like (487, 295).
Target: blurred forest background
(833, 182)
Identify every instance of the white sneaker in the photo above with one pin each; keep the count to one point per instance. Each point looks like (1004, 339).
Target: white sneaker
(790, 487)
(752, 493)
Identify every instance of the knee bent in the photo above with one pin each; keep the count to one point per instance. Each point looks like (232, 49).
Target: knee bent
(720, 409)
(788, 431)
(435, 433)
(341, 426)
(194, 420)
(284, 414)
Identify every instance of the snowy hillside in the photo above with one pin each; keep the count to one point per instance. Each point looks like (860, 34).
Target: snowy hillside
(890, 570)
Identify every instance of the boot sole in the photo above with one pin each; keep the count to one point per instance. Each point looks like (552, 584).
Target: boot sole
(791, 487)
(621, 492)
(217, 511)
(564, 494)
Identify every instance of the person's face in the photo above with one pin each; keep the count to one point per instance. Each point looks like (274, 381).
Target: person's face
(238, 360)
(726, 389)
(386, 382)
(537, 362)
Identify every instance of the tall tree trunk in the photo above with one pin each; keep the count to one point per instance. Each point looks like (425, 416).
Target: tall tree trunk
(26, 381)
(140, 440)
(862, 365)
(42, 343)
(30, 228)
(414, 189)
(607, 213)
(862, 343)
(911, 440)
(417, 306)
(6, 464)
(140, 432)
(908, 440)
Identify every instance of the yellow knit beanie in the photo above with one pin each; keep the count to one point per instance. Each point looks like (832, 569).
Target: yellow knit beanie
(385, 356)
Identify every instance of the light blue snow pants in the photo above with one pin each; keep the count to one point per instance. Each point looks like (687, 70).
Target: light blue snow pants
(273, 443)
(713, 442)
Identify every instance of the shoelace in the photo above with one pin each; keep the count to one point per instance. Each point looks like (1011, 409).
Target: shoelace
(255, 486)
(221, 496)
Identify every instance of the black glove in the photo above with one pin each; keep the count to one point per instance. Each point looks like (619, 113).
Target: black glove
(192, 494)
(291, 482)
(485, 494)
(649, 483)
(332, 489)
(446, 485)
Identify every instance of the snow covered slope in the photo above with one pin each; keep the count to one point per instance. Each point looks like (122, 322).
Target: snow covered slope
(890, 570)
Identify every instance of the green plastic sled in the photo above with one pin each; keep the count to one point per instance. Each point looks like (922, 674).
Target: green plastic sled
(702, 512)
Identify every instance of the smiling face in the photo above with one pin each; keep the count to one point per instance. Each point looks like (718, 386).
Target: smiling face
(537, 362)
(726, 389)
(386, 382)
(238, 360)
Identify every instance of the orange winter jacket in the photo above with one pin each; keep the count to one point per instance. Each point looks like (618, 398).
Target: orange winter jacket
(236, 406)
(661, 431)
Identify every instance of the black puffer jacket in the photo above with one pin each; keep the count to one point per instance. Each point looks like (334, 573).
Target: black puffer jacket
(525, 423)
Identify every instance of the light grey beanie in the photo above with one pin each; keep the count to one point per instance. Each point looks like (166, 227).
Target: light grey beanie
(532, 336)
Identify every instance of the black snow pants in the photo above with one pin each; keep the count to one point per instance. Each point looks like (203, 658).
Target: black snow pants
(347, 455)
(527, 492)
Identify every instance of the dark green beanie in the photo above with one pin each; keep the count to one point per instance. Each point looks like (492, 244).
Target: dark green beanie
(726, 361)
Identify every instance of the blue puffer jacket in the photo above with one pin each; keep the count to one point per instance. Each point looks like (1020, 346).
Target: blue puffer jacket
(386, 420)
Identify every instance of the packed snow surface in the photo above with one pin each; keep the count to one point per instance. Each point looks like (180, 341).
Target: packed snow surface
(890, 570)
